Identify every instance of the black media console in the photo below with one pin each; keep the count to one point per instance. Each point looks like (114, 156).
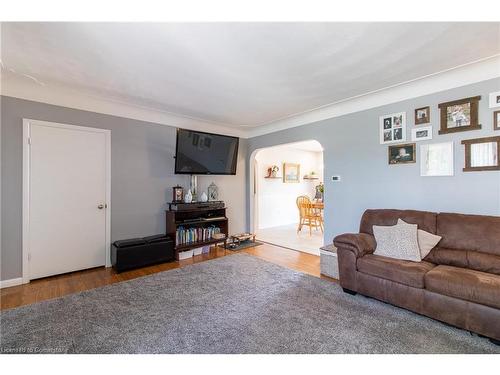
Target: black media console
(198, 217)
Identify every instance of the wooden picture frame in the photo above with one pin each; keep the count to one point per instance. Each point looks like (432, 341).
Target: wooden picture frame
(457, 112)
(396, 157)
(426, 118)
(496, 120)
(469, 143)
(291, 173)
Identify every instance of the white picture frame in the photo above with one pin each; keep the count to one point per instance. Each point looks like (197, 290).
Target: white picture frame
(392, 128)
(422, 133)
(437, 159)
(495, 99)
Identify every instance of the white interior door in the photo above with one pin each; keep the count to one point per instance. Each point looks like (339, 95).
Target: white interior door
(68, 198)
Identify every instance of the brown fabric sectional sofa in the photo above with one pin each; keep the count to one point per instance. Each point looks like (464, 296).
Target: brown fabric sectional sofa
(457, 283)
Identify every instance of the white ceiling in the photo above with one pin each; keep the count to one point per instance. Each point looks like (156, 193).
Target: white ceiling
(239, 75)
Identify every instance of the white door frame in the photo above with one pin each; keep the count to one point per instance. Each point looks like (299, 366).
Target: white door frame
(26, 188)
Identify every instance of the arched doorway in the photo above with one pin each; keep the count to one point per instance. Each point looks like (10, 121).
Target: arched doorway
(279, 175)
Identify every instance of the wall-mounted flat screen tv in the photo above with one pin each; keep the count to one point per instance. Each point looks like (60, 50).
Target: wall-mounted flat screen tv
(205, 153)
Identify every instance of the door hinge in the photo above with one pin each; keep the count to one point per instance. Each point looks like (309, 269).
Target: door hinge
(29, 257)
(29, 141)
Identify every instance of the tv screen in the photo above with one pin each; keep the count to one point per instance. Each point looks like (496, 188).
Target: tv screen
(205, 153)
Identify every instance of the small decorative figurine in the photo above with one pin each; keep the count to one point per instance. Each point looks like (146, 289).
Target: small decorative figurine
(188, 198)
(204, 197)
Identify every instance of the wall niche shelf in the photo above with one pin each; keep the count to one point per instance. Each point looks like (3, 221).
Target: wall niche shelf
(310, 178)
(274, 177)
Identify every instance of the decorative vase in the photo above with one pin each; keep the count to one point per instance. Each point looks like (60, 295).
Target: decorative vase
(204, 197)
(188, 198)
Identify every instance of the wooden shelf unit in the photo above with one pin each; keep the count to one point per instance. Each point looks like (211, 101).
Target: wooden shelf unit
(196, 218)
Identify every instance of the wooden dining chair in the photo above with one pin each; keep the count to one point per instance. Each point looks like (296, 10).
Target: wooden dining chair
(307, 215)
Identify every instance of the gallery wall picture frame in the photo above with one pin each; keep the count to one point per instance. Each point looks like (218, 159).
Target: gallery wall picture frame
(494, 99)
(437, 159)
(422, 115)
(423, 133)
(496, 120)
(291, 173)
(459, 115)
(392, 128)
(402, 154)
(482, 154)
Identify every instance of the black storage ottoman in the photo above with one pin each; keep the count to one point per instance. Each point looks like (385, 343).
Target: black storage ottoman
(140, 252)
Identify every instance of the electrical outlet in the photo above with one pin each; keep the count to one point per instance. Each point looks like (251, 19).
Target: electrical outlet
(336, 178)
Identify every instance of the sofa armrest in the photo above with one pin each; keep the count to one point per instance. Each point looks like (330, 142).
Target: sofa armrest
(359, 243)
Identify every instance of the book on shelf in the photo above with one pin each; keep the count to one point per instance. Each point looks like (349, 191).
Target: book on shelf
(189, 235)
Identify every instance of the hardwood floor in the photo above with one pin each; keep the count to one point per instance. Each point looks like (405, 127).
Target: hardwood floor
(57, 286)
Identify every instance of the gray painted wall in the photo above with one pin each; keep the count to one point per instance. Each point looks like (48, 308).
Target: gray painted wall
(142, 174)
(352, 150)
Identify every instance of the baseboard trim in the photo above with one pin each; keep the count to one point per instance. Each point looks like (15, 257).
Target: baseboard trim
(10, 282)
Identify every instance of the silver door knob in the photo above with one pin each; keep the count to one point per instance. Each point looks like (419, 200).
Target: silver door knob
(101, 206)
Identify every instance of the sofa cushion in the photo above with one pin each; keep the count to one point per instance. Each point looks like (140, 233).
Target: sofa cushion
(424, 219)
(465, 259)
(469, 285)
(469, 232)
(397, 241)
(400, 271)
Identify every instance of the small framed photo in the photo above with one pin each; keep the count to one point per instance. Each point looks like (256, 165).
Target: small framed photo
(177, 194)
(402, 154)
(495, 99)
(422, 115)
(421, 134)
(459, 115)
(436, 159)
(393, 128)
(496, 120)
(291, 172)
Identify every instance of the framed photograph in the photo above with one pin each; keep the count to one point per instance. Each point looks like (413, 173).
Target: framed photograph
(436, 159)
(393, 128)
(421, 134)
(422, 115)
(402, 154)
(213, 192)
(481, 154)
(459, 115)
(177, 194)
(495, 99)
(291, 172)
(496, 120)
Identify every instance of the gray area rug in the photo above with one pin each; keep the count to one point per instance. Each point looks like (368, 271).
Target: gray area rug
(235, 304)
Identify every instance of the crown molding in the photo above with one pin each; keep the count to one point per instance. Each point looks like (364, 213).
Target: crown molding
(463, 75)
(24, 87)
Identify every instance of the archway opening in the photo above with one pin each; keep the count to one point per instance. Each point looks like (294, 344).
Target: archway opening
(288, 195)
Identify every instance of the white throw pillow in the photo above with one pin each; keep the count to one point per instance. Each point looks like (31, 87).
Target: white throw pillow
(426, 241)
(398, 241)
